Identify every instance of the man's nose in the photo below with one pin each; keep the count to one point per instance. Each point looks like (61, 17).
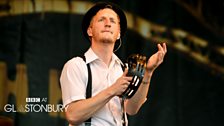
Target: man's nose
(107, 22)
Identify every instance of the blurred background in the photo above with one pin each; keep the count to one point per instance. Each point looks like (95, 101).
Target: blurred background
(37, 37)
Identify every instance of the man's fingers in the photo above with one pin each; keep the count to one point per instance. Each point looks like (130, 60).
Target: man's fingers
(160, 48)
(125, 77)
(164, 47)
(125, 72)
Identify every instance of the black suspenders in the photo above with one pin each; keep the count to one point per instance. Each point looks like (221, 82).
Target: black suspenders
(89, 86)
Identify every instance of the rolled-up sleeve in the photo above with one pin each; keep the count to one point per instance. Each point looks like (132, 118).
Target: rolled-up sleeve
(73, 80)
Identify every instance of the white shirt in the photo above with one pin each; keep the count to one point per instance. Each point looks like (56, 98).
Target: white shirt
(74, 79)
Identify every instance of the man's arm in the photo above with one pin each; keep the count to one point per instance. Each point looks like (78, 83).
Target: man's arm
(81, 110)
(134, 104)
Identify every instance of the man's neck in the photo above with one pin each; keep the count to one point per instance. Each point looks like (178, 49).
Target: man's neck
(104, 52)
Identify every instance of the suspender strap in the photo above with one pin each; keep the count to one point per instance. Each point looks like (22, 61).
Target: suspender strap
(123, 67)
(89, 87)
(89, 84)
(122, 103)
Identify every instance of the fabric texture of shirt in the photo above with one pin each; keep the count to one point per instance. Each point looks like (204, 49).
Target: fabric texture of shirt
(74, 79)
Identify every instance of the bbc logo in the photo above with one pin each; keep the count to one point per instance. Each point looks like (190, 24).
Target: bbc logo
(32, 99)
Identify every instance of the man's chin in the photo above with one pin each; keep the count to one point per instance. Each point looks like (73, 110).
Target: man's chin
(107, 40)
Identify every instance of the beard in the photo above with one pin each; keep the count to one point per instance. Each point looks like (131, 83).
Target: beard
(106, 40)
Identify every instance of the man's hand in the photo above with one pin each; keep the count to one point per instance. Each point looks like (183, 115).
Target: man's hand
(156, 59)
(121, 84)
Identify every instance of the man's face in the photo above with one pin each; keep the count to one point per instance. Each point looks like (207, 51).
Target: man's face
(105, 26)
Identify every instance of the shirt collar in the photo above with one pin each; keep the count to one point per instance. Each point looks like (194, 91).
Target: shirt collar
(91, 56)
(116, 59)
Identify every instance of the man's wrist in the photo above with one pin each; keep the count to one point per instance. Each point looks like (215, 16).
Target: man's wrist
(145, 82)
(147, 78)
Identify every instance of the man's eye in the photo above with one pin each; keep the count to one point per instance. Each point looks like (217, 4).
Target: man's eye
(113, 21)
(100, 20)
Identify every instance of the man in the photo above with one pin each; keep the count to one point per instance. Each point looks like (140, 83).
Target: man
(103, 25)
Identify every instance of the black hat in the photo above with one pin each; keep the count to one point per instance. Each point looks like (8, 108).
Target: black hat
(101, 5)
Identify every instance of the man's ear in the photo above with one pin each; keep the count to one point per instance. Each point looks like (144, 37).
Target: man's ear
(89, 31)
